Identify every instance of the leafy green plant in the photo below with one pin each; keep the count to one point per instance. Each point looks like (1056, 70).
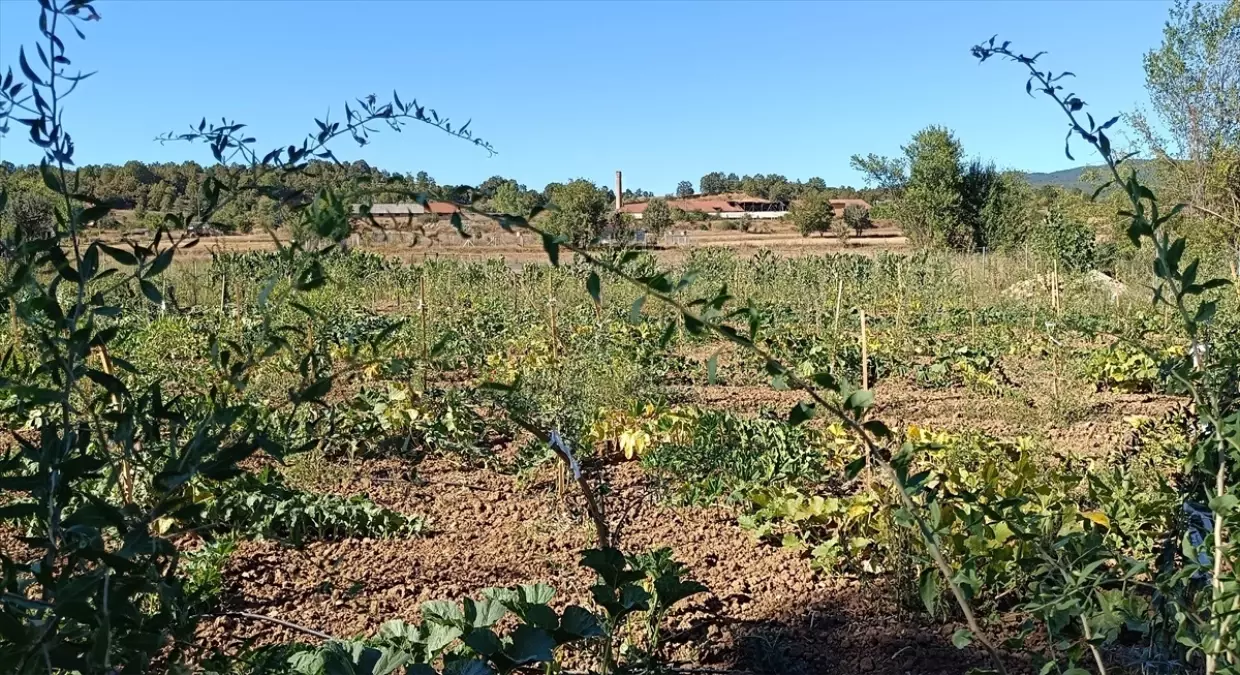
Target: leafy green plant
(262, 506)
(668, 583)
(460, 636)
(1201, 614)
(1124, 368)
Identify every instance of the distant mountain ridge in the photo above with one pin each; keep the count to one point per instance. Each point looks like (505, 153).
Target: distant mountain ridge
(1071, 178)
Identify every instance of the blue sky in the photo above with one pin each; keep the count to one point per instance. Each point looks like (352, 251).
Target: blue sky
(663, 91)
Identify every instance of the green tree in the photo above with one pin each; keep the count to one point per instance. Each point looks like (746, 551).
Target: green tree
(581, 209)
(713, 183)
(513, 199)
(886, 173)
(857, 217)
(657, 217)
(1193, 81)
(930, 209)
(684, 189)
(996, 206)
(812, 213)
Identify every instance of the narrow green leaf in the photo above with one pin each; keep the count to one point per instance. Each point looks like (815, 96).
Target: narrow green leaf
(151, 293)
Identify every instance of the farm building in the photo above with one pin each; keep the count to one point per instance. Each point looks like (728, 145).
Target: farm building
(408, 210)
(734, 206)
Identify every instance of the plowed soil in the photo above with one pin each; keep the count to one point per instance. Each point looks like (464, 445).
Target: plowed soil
(767, 612)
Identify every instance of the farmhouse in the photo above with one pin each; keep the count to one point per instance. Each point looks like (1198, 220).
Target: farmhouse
(406, 210)
(734, 206)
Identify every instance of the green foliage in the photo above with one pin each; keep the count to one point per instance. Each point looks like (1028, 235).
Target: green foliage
(262, 506)
(204, 570)
(1130, 369)
(716, 182)
(1090, 584)
(940, 201)
(514, 199)
(105, 458)
(684, 189)
(813, 213)
(579, 211)
(857, 218)
(1195, 95)
(930, 207)
(1070, 243)
(463, 637)
(657, 217)
(727, 452)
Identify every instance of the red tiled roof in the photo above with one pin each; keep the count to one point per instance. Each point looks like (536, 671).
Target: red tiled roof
(442, 208)
(704, 205)
(844, 203)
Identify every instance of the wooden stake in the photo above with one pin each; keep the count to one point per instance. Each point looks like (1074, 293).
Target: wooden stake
(224, 290)
(839, 298)
(426, 352)
(865, 356)
(555, 347)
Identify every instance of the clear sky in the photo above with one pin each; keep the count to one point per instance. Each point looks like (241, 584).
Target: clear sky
(663, 91)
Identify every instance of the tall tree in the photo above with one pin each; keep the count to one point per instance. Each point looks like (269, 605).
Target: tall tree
(930, 209)
(1193, 80)
(713, 183)
(684, 189)
(513, 199)
(581, 210)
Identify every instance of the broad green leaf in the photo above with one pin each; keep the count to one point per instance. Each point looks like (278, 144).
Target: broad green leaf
(484, 641)
(442, 611)
(536, 594)
(594, 286)
(485, 612)
(579, 622)
(802, 412)
(962, 638)
(151, 293)
(530, 645)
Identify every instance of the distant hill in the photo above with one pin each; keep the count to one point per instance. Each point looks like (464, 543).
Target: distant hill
(1071, 178)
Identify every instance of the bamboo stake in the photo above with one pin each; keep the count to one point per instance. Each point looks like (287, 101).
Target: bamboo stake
(426, 352)
(555, 347)
(224, 290)
(865, 356)
(839, 298)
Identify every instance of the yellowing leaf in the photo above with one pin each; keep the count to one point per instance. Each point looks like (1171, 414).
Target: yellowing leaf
(1098, 517)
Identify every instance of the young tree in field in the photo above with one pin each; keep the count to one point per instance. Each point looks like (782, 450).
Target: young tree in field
(657, 217)
(930, 210)
(581, 210)
(812, 214)
(684, 189)
(857, 217)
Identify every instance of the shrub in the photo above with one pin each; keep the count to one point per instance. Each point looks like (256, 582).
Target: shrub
(857, 217)
(657, 217)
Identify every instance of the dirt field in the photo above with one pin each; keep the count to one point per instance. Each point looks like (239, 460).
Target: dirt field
(488, 241)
